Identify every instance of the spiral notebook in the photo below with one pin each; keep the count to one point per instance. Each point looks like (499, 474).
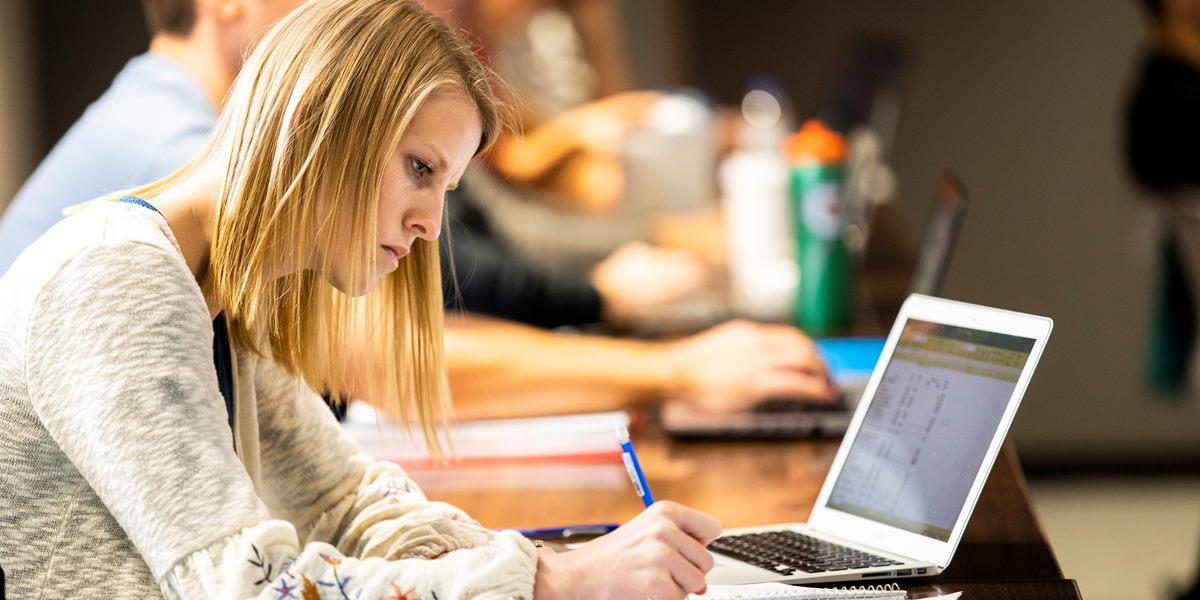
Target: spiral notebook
(780, 591)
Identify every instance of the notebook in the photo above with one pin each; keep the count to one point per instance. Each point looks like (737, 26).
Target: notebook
(779, 591)
(850, 359)
(913, 462)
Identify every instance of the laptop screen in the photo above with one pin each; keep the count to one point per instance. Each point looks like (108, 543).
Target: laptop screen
(929, 426)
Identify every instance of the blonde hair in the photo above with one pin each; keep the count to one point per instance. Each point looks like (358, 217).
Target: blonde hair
(308, 126)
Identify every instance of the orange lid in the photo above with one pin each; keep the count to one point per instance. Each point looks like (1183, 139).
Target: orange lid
(815, 143)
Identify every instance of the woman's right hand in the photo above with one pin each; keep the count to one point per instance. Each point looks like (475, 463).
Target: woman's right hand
(658, 554)
(738, 364)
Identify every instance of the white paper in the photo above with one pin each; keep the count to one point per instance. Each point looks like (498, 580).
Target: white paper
(590, 434)
(783, 591)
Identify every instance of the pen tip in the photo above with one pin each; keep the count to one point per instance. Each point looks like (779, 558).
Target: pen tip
(623, 433)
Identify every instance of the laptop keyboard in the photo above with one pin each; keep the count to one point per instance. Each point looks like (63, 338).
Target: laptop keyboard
(793, 405)
(786, 551)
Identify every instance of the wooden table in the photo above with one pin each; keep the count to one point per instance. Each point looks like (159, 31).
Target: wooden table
(1003, 554)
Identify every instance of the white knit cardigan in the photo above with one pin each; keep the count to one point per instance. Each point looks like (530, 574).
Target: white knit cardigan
(118, 471)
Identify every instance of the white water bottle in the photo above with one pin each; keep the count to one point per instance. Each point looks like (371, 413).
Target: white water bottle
(754, 187)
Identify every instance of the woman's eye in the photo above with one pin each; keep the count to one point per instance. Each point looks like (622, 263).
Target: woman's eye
(420, 169)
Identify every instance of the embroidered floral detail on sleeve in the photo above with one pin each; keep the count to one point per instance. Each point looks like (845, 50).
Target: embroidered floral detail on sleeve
(310, 591)
(399, 594)
(340, 583)
(265, 566)
(284, 589)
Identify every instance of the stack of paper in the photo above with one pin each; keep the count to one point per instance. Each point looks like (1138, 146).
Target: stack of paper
(575, 439)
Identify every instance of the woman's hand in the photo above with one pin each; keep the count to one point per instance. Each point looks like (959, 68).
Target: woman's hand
(658, 554)
(735, 365)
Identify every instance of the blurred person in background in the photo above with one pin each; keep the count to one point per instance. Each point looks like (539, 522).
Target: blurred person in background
(567, 68)
(1163, 151)
(163, 105)
(594, 163)
(564, 64)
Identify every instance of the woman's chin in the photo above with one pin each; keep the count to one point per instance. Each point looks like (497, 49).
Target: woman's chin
(363, 286)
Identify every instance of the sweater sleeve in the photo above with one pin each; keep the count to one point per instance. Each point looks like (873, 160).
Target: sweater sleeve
(121, 375)
(267, 562)
(316, 476)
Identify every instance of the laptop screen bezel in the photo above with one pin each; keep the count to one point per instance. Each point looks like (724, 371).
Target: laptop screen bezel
(899, 541)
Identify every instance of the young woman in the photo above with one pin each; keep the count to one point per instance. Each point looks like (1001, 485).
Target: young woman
(159, 352)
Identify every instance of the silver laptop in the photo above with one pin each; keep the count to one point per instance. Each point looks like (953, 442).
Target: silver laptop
(918, 450)
(850, 359)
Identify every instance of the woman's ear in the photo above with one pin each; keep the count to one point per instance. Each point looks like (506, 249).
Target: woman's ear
(227, 11)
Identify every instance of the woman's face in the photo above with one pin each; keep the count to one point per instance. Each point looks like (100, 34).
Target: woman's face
(430, 159)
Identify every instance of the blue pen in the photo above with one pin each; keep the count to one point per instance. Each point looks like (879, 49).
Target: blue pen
(629, 457)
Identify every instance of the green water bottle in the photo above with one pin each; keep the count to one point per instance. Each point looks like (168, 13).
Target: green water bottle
(825, 302)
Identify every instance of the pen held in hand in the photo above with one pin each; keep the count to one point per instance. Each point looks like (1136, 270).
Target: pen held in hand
(569, 532)
(629, 457)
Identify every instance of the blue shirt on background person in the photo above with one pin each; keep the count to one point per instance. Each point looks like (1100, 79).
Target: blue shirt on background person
(151, 120)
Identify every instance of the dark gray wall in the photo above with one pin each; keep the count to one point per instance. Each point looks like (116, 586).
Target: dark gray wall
(58, 56)
(16, 98)
(78, 48)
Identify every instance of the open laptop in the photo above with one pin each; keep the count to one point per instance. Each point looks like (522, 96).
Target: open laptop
(850, 360)
(915, 458)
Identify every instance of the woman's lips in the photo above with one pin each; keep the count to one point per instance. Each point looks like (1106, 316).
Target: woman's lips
(395, 254)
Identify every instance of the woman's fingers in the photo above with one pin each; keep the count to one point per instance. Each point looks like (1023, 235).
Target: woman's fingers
(685, 574)
(691, 550)
(784, 383)
(694, 523)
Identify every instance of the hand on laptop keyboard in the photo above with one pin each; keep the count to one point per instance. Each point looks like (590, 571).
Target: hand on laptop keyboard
(733, 366)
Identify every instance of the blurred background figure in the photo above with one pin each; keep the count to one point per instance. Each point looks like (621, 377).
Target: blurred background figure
(1163, 128)
(592, 160)
(1163, 150)
(593, 165)
(552, 227)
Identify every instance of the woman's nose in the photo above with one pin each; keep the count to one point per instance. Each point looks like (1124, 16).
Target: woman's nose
(426, 222)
